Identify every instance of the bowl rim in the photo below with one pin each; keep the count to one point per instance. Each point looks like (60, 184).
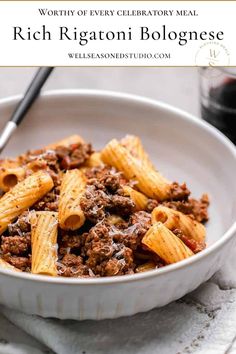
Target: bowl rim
(185, 116)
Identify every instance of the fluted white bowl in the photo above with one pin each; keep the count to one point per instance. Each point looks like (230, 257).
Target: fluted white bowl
(183, 148)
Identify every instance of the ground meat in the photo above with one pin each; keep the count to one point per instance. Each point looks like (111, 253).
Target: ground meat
(196, 208)
(112, 180)
(199, 208)
(49, 202)
(142, 218)
(43, 163)
(139, 224)
(191, 243)
(108, 176)
(73, 156)
(21, 226)
(151, 204)
(56, 177)
(123, 261)
(16, 245)
(97, 244)
(112, 267)
(104, 194)
(183, 206)
(95, 172)
(22, 263)
(30, 155)
(41, 159)
(72, 266)
(105, 256)
(131, 237)
(122, 205)
(94, 202)
(179, 192)
(62, 158)
(69, 243)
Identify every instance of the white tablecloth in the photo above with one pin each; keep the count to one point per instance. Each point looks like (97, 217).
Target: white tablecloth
(201, 322)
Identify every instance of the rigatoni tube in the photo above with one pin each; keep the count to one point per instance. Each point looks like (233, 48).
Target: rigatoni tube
(6, 265)
(165, 244)
(44, 242)
(9, 177)
(150, 182)
(140, 200)
(94, 160)
(145, 267)
(134, 145)
(23, 196)
(71, 216)
(72, 139)
(174, 219)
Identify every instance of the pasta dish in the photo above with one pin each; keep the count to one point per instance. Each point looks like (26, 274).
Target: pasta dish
(67, 210)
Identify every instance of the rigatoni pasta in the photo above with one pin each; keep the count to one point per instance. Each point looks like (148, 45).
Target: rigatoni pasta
(174, 219)
(140, 200)
(70, 140)
(150, 182)
(69, 210)
(94, 160)
(165, 244)
(6, 265)
(22, 196)
(145, 267)
(44, 242)
(134, 145)
(9, 177)
(71, 216)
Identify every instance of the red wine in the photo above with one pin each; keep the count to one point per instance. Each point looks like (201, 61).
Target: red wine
(221, 108)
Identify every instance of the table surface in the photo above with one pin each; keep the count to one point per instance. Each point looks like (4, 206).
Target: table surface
(176, 86)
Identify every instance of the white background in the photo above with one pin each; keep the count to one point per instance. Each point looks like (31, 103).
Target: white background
(217, 16)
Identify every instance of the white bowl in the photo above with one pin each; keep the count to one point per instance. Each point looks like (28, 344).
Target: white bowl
(184, 149)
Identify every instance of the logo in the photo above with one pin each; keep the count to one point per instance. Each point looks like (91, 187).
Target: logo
(213, 55)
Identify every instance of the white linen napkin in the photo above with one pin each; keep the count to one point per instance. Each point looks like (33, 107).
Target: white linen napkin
(201, 322)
